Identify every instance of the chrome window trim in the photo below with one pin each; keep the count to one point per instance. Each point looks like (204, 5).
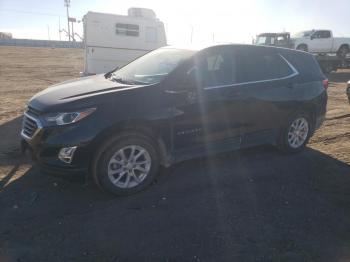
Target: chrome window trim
(295, 72)
(38, 123)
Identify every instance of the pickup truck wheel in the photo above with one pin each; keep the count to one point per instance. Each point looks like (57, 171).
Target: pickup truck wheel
(126, 165)
(296, 133)
(302, 47)
(343, 51)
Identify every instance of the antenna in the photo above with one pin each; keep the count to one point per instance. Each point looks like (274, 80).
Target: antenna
(67, 5)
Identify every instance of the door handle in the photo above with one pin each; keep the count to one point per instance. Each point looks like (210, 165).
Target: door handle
(234, 93)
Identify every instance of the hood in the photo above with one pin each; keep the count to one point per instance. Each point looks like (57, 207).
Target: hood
(77, 89)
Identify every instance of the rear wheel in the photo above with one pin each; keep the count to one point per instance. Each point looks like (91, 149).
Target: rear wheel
(126, 165)
(296, 133)
(343, 51)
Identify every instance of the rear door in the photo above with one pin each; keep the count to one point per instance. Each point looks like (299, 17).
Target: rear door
(265, 92)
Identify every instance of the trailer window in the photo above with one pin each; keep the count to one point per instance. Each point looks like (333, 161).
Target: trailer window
(127, 29)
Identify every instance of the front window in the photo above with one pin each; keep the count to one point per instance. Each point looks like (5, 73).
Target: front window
(322, 34)
(152, 67)
(217, 67)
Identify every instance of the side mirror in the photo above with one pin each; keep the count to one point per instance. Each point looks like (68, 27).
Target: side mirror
(186, 84)
(190, 79)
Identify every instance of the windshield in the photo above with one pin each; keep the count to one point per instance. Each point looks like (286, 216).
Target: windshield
(261, 40)
(265, 40)
(303, 34)
(152, 67)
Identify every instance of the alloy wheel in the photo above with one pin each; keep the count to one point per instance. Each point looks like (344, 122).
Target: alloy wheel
(298, 132)
(129, 166)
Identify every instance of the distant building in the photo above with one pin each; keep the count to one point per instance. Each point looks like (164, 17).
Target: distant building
(5, 35)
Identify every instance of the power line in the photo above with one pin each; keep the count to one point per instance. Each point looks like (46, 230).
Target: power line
(30, 12)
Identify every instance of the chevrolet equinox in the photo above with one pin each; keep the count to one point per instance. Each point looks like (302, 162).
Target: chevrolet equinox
(174, 104)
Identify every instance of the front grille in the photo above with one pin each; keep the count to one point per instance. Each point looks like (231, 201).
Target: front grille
(29, 126)
(32, 111)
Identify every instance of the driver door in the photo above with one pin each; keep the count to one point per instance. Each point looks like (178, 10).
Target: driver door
(322, 41)
(203, 121)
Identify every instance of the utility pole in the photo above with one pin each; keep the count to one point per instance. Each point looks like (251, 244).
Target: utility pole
(67, 5)
(59, 27)
(48, 32)
(191, 33)
(73, 32)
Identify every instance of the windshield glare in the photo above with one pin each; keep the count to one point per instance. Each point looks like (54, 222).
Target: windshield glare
(303, 34)
(152, 67)
(261, 40)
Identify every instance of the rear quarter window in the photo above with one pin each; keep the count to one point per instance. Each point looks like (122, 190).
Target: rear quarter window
(306, 65)
(260, 65)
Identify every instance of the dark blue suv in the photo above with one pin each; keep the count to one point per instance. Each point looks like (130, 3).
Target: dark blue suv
(174, 104)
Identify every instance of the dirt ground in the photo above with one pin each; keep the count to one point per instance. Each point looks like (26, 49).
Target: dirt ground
(276, 208)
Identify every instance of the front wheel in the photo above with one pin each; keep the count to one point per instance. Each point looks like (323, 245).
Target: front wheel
(296, 134)
(126, 165)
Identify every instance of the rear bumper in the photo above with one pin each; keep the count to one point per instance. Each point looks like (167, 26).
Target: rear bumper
(319, 121)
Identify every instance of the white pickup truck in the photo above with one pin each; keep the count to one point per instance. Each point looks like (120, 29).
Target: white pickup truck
(321, 41)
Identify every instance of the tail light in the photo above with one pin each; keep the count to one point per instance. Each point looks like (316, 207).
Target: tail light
(325, 83)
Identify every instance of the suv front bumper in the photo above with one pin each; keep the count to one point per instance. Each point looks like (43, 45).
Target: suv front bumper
(46, 158)
(46, 143)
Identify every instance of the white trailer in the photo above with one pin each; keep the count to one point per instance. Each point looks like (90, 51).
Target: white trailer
(114, 40)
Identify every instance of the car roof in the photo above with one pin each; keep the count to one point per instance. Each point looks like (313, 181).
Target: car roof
(198, 48)
(273, 34)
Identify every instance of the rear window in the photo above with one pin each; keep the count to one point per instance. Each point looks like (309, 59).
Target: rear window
(305, 64)
(258, 65)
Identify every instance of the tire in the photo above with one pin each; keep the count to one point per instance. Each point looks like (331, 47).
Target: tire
(302, 47)
(343, 51)
(121, 175)
(289, 131)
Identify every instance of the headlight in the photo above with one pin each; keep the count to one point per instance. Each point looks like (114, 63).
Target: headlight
(68, 118)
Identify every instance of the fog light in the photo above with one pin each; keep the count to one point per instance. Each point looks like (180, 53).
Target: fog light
(66, 154)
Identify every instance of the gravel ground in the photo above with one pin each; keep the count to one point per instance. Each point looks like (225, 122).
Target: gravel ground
(251, 205)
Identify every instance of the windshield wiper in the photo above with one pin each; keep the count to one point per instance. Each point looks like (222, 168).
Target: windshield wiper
(127, 81)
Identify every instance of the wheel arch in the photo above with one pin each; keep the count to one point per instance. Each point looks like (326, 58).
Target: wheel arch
(308, 109)
(347, 46)
(302, 44)
(344, 45)
(150, 129)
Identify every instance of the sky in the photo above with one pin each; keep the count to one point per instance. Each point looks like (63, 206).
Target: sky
(211, 21)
